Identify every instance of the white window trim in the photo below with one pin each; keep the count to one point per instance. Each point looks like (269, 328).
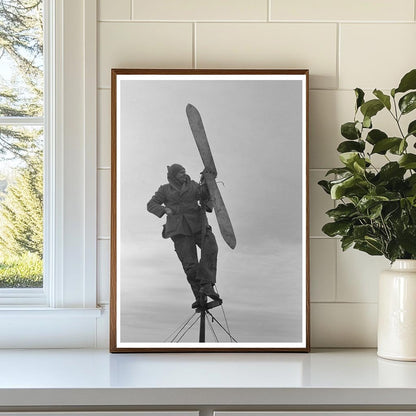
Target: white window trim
(75, 154)
(69, 317)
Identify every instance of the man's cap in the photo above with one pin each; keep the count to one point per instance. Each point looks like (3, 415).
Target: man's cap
(174, 169)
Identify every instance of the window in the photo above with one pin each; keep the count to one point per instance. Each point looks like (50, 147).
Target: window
(63, 313)
(21, 143)
(22, 132)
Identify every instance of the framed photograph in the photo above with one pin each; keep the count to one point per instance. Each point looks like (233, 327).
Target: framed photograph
(209, 211)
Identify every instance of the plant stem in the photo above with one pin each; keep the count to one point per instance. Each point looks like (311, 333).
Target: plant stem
(376, 248)
(397, 118)
(400, 128)
(374, 167)
(387, 232)
(395, 107)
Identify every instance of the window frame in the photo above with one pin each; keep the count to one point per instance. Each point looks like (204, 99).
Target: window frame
(69, 292)
(36, 296)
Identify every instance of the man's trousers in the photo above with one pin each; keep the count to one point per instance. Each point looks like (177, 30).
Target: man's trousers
(197, 272)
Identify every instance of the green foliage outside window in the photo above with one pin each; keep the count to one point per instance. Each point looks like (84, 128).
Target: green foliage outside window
(21, 146)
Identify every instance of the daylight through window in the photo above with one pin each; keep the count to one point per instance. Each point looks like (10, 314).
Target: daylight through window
(21, 143)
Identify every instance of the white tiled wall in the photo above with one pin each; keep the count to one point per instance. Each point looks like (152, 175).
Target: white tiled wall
(345, 44)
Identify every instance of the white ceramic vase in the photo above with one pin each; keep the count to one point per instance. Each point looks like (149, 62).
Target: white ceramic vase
(397, 312)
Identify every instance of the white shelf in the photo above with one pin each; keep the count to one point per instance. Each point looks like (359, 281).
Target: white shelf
(331, 379)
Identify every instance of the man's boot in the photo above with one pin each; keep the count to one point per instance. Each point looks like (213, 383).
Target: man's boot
(208, 290)
(195, 286)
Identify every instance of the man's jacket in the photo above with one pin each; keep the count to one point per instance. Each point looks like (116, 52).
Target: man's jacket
(187, 217)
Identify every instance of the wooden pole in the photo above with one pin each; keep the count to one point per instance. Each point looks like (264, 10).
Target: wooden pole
(202, 327)
(202, 319)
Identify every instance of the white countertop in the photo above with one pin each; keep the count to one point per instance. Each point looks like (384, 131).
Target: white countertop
(96, 377)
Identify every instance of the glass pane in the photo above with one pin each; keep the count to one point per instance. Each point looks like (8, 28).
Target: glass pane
(21, 207)
(21, 58)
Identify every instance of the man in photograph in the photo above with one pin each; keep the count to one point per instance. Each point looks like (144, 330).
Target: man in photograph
(185, 203)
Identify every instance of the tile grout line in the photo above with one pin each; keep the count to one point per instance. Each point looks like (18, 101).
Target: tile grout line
(307, 22)
(338, 64)
(269, 10)
(336, 263)
(194, 63)
(319, 169)
(323, 237)
(336, 271)
(344, 303)
(131, 10)
(108, 89)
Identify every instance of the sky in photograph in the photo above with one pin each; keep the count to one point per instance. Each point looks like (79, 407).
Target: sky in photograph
(255, 132)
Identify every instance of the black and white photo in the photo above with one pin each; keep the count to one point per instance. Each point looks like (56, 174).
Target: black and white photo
(209, 244)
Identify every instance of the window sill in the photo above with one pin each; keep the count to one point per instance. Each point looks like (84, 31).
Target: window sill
(40, 327)
(35, 312)
(22, 297)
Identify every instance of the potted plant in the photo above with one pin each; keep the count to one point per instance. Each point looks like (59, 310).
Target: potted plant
(376, 206)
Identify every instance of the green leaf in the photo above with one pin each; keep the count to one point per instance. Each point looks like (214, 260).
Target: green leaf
(408, 82)
(361, 231)
(374, 242)
(408, 102)
(338, 190)
(371, 108)
(367, 122)
(368, 201)
(404, 205)
(349, 158)
(413, 211)
(342, 211)
(342, 179)
(411, 130)
(375, 136)
(411, 180)
(393, 92)
(359, 166)
(359, 95)
(394, 251)
(385, 99)
(408, 161)
(336, 228)
(391, 170)
(346, 242)
(407, 239)
(412, 201)
(383, 145)
(325, 186)
(350, 131)
(375, 211)
(393, 196)
(411, 184)
(368, 248)
(391, 212)
(349, 146)
(338, 171)
(398, 149)
(379, 189)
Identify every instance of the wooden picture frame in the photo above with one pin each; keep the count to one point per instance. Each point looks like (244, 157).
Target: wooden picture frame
(256, 124)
